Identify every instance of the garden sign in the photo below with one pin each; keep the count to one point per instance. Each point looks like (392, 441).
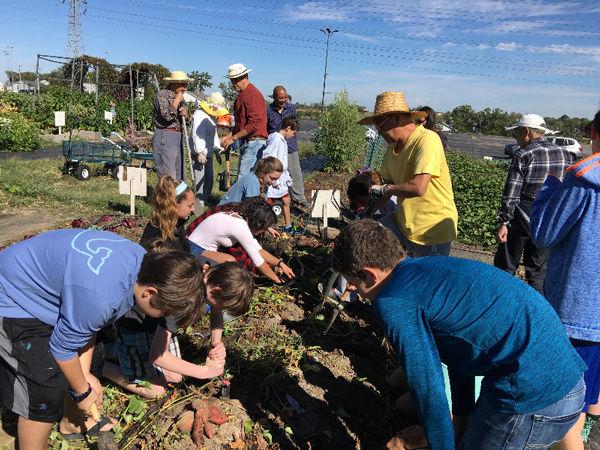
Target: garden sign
(132, 182)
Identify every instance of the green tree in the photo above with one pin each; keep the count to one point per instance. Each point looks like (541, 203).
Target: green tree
(201, 81)
(25, 76)
(463, 118)
(228, 91)
(340, 138)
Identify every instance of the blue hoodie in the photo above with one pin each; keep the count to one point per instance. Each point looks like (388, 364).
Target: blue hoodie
(565, 218)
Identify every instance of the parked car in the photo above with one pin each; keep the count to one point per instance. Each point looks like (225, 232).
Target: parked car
(510, 149)
(569, 144)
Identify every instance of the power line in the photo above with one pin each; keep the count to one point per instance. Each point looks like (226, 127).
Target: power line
(160, 29)
(370, 33)
(368, 50)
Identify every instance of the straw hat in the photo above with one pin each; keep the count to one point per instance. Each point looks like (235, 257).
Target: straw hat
(391, 103)
(214, 105)
(179, 76)
(237, 70)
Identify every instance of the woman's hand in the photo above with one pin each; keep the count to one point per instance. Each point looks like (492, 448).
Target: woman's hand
(287, 270)
(273, 232)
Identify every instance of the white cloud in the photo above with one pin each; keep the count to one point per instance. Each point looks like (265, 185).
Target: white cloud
(315, 11)
(507, 46)
(449, 44)
(565, 49)
(359, 37)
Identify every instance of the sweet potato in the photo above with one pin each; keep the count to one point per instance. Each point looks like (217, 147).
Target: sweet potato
(185, 422)
(216, 416)
(209, 430)
(200, 419)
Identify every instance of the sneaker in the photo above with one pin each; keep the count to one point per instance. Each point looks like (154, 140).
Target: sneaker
(287, 229)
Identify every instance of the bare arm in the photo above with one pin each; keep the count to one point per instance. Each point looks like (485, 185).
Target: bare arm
(160, 356)
(415, 187)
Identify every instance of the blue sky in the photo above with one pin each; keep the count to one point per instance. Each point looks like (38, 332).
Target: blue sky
(524, 56)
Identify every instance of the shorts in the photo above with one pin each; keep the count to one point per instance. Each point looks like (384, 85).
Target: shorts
(590, 353)
(31, 383)
(195, 249)
(132, 354)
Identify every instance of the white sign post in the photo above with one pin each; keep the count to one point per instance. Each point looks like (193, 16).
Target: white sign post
(59, 120)
(132, 182)
(108, 116)
(325, 205)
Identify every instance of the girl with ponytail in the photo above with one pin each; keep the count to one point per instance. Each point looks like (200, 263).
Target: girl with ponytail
(266, 172)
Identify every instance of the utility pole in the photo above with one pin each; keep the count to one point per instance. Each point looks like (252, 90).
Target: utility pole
(19, 73)
(8, 53)
(328, 32)
(74, 35)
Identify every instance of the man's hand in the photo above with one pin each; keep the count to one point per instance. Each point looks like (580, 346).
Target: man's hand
(96, 387)
(85, 406)
(214, 368)
(502, 234)
(226, 141)
(183, 112)
(408, 439)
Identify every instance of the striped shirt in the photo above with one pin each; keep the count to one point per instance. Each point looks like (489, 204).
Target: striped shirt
(528, 170)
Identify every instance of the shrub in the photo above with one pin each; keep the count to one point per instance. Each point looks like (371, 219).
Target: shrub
(17, 133)
(339, 136)
(477, 186)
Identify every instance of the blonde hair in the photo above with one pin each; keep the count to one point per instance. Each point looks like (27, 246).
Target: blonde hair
(164, 215)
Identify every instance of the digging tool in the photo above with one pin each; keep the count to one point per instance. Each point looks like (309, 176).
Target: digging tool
(106, 440)
(227, 169)
(337, 310)
(188, 150)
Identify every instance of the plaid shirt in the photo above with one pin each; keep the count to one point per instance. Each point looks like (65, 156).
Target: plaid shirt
(530, 167)
(165, 115)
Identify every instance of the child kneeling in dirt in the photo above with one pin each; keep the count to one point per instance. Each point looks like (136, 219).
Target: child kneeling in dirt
(57, 290)
(142, 355)
(478, 320)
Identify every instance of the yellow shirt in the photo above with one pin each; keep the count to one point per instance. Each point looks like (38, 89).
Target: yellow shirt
(432, 218)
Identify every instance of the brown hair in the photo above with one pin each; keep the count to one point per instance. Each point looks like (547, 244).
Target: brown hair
(360, 186)
(291, 122)
(365, 243)
(265, 166)
(163, 215)
(237, 287)
(177, 276)
(257, 213)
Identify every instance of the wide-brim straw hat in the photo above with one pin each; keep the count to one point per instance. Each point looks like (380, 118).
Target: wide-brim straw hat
(179, 76)
(236, 71)
(390, 103)
(214, 105)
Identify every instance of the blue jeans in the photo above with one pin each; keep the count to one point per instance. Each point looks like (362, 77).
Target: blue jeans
(250, 151)
(491, 430)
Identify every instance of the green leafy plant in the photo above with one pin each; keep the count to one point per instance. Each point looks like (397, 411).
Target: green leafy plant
(477, 186)
(339, 136)
(17, 133)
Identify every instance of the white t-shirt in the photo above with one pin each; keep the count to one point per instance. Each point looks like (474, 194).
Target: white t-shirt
(204, 138)
(278, 148)
(227, 229)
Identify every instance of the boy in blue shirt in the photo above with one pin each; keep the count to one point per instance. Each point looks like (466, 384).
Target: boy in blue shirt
(57, 290)
(478, 320)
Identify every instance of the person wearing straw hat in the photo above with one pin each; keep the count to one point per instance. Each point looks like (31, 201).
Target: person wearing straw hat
(530, 166)
(204, 143)
(250, 119)
(169, 110)
(415, 168)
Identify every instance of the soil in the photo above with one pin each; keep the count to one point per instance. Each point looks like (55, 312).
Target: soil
(291, 385)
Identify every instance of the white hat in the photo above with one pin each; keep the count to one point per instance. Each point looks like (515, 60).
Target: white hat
(237, 70)
(531, 121)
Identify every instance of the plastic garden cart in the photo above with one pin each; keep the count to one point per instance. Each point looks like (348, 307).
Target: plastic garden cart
(79, 154)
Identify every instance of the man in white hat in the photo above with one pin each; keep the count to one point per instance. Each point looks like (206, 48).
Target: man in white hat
(530, 166)
(168, 113)
(204, 142)
(250, 115)
(415, 168)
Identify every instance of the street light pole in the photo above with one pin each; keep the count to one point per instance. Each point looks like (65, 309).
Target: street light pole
(328, 32)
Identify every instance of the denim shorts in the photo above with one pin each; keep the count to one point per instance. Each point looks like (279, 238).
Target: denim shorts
(491, 430)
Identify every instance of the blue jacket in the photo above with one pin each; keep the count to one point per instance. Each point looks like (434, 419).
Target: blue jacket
(566, 218)
(77, 281)
(478, 320)
(245, 187)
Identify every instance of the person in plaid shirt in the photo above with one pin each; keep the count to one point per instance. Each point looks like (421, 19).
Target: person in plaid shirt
(530, 166)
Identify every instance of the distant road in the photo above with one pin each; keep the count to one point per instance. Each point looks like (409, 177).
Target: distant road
(475, 145)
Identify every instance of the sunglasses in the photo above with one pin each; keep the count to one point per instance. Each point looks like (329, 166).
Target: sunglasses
(379, 125)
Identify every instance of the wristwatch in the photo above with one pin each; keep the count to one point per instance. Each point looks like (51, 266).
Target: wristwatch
(80, 397)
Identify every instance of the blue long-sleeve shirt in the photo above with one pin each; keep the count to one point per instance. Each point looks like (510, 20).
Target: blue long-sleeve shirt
(565, 218)
(478, 320)
(77, 281)
(274, 119)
